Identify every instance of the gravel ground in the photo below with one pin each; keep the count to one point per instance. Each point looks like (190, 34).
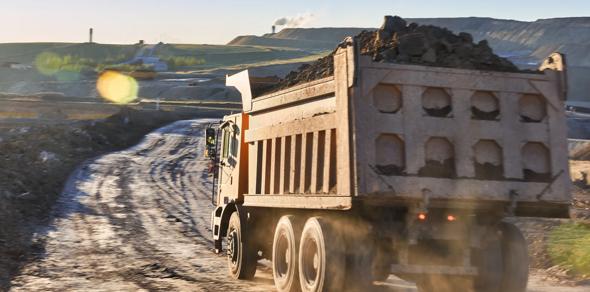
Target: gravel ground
(35, 162)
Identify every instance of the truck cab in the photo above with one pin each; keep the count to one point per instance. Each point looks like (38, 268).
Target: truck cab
(233, 159)
(231, 168)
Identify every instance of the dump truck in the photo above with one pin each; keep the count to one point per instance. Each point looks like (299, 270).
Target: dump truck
(387, 169)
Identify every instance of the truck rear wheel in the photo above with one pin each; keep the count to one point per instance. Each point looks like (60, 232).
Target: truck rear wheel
(284, 255)
(382, 260)
(515, 258)
(503, 259)
(488, 260)
(361, 255)
(321, 257)
(241, 256)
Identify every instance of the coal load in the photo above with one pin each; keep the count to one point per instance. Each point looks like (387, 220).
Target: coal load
(402, 43)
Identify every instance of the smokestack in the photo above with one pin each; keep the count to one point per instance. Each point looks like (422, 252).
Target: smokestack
(91, 33)
(274, 29)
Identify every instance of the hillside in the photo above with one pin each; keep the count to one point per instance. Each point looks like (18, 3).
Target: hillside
(515, 38)
(309, 38)
(211, 55)
(524, 43)
(533, 39)
(27, 52)
(71, 68)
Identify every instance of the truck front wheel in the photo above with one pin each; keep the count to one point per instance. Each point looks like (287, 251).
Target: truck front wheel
(241, 256)
(322, 257)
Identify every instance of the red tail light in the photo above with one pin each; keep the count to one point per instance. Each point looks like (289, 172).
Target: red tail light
(422, 216)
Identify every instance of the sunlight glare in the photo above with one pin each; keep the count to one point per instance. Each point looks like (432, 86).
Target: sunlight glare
(117, 87)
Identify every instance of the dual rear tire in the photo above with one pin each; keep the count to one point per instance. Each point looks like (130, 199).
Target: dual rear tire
(505, 264)
(322, 259)
(285, 256)
(502, 263)
(515, 259)
(307, 260)
(302, 258)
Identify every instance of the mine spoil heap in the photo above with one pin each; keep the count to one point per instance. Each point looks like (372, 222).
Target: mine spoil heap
(398, 42)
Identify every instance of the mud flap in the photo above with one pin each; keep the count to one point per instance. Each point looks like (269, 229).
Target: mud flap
(219, 222)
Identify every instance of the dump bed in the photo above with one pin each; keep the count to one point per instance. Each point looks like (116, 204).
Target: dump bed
(397, 134)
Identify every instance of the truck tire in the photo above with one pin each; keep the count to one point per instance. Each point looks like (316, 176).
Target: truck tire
(359, 274)
(241, 256)
(515, 258)
(321, 257)
(285, 247)
(382, 260)
(360, 256)
(488, 260)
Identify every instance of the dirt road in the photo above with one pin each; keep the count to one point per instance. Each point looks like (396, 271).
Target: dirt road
(138, 220)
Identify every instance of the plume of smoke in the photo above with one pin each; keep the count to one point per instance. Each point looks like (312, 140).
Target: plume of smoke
(295, 21)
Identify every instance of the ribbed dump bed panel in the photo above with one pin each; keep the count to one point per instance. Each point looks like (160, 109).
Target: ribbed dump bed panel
(459, 134)
(292, 143)
(299, 143)
(296, 157)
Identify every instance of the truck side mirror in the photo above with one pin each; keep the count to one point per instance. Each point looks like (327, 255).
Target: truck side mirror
(211, 142)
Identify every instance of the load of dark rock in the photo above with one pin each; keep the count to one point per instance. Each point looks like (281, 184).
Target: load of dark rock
(402, 43)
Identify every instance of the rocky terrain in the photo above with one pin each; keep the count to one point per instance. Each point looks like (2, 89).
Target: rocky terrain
(579, 171)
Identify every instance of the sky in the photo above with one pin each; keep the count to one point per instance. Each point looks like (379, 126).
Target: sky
(217, 22)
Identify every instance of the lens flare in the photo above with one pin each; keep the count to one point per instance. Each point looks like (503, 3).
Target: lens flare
(117, 87)
(48, 63)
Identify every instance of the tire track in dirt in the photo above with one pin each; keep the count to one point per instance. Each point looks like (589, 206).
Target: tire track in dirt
(135, 220)
(165, 175)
